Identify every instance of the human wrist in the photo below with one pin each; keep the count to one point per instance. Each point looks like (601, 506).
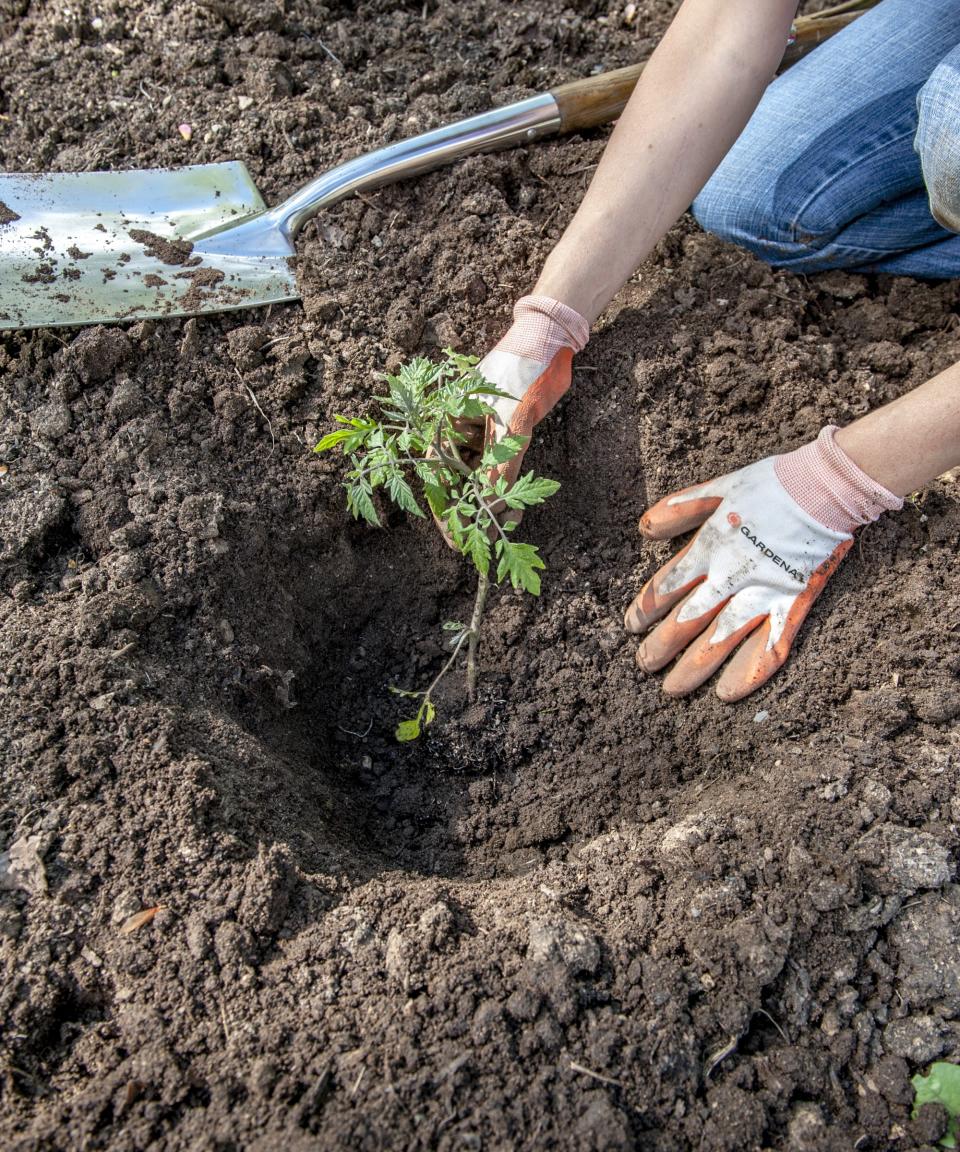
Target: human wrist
(830, 487)
(577, 275)
(542, 326)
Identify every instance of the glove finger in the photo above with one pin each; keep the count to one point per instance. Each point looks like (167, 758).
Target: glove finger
(753, 665)
(758, 660)
(704, 657)
(672, 636)
(666, 519)
(447, 538)
(652, 603)
(539, 399)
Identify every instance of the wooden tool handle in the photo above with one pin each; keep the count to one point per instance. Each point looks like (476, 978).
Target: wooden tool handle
(596, 100)
(599, 99)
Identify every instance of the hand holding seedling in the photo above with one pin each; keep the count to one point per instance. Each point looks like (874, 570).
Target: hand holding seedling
(530, 368)
(422, 439)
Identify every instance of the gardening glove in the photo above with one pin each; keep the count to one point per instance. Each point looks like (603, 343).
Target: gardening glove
(772, 535)
(532, 363)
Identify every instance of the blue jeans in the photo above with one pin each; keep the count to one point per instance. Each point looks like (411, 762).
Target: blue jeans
(852, 159)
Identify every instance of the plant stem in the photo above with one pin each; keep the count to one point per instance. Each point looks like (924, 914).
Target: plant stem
(483, 587)
(461, 639)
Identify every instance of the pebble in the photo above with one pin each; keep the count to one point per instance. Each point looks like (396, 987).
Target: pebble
(441, 331)
(806, 1126)
(877, 796)
(436, 925)
(683, 836)
(926, 936)
(200, 516)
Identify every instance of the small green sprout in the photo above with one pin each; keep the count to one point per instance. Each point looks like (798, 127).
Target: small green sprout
(942, 1086)
(422, 439)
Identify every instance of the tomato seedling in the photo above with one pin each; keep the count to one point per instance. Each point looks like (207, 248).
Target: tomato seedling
(432, 418)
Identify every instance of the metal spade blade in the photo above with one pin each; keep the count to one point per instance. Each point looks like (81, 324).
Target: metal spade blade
(96, 247)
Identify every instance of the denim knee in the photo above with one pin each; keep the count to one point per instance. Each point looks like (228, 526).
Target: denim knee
(938, 141)
(741, 210)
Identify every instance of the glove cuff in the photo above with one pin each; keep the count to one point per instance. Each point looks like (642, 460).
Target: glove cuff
(541, 327)
(828, 486)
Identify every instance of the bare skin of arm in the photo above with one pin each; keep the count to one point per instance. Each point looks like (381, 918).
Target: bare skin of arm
(912, 440)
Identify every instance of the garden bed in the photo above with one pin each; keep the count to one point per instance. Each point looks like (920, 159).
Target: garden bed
(577, 914)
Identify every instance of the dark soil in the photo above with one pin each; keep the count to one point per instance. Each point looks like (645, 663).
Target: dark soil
(578, 914)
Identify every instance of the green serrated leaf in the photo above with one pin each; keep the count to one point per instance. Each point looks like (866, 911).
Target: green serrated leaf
(407, 730)
(485, 389)
(504, 450)
(361, 505)
(332, 439)
(438, 499)
(477, 549)
(463, 363)
(352, 436)
(456, 528)
(453, 626)
(427, 471)
(470, 408)
(942, 1086)
(520, 562)
(529, 490)
(402, 494)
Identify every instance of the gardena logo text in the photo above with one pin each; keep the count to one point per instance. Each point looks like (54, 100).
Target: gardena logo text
(771, 555)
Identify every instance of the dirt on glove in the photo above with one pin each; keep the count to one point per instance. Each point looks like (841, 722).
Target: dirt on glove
(577, 915)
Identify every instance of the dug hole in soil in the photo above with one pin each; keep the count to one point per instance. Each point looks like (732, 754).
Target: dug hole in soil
(578, 914)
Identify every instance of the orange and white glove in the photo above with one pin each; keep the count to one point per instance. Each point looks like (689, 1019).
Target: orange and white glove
(532, 363)
(772, 535)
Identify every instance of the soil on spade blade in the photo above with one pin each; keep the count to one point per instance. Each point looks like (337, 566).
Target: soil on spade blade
(578, 914)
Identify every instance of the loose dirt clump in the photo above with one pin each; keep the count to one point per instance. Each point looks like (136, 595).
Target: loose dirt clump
(164, 249)
(577, 915)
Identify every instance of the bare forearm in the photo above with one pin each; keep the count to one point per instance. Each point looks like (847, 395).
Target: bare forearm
(692, 101)
(909, 442)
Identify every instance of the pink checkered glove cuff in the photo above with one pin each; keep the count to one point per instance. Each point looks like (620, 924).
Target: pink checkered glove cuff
(541, 327)
(828, 486)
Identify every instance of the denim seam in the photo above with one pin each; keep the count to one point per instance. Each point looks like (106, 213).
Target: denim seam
(794, 226)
